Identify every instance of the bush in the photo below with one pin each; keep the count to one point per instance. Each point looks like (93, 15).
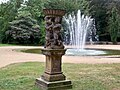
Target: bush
(23, 30)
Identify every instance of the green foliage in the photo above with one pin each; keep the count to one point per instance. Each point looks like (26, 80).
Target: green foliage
(68, 5)
(114, 24)
(8, 11)
(98, 9)
(35, 7)
(84, 6)
(23, 30)
(42, 38)
(99, 12)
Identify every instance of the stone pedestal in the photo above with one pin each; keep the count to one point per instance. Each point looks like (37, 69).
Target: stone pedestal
(53, 77)
(53, 65)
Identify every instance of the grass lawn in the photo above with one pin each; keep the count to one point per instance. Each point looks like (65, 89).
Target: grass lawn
(22, 76)
(6, 45)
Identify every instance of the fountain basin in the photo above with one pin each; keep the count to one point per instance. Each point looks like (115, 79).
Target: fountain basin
(84, 52)
(93, 52)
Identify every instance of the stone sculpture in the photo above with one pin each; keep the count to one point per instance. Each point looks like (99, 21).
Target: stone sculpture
(53, 77)
(53, 33)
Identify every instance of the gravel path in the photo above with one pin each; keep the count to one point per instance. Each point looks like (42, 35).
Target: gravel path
(9, 55)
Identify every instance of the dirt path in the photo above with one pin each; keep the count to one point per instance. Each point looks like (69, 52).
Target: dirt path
(8, 56)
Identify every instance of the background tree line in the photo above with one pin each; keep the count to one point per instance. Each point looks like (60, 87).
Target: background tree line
(22, 21)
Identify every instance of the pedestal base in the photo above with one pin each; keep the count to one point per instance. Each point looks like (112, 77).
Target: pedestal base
(52, 78)
(57, 85)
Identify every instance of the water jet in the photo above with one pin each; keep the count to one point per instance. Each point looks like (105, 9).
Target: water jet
(80, 27)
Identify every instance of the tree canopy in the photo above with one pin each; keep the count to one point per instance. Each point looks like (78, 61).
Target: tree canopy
(101, 10)
(23, 30)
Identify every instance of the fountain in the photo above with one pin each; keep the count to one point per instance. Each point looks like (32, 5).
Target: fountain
(80, 26)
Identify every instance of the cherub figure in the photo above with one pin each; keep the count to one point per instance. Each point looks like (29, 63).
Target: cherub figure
(57, 33)
(49, 32)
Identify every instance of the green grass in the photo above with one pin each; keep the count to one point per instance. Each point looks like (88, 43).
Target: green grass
(22, 76)
(6, 45)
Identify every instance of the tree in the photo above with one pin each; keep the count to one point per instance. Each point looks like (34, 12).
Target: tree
(98, 11)
(8, 11)
(35, 8)
(114, 24)
(84, 6)
(68, 5)
(23, 30)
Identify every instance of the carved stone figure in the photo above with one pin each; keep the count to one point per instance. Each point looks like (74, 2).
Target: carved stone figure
(49, 32)
(57, 34)
(53, 34)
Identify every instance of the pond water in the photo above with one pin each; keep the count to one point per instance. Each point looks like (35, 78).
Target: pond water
(85, 52)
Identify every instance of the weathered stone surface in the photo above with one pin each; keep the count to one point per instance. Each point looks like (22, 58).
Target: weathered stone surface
(53, 65)
(58, 85)
(53, 26)
(53, 77)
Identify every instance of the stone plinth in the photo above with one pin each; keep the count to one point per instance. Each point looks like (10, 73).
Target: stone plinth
(53, 77)
(53, 65)
(57, 85)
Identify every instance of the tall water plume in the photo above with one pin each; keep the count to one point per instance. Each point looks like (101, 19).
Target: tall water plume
(78, 27)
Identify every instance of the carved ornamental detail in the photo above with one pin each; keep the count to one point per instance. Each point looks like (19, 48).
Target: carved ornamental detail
(53, 30)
